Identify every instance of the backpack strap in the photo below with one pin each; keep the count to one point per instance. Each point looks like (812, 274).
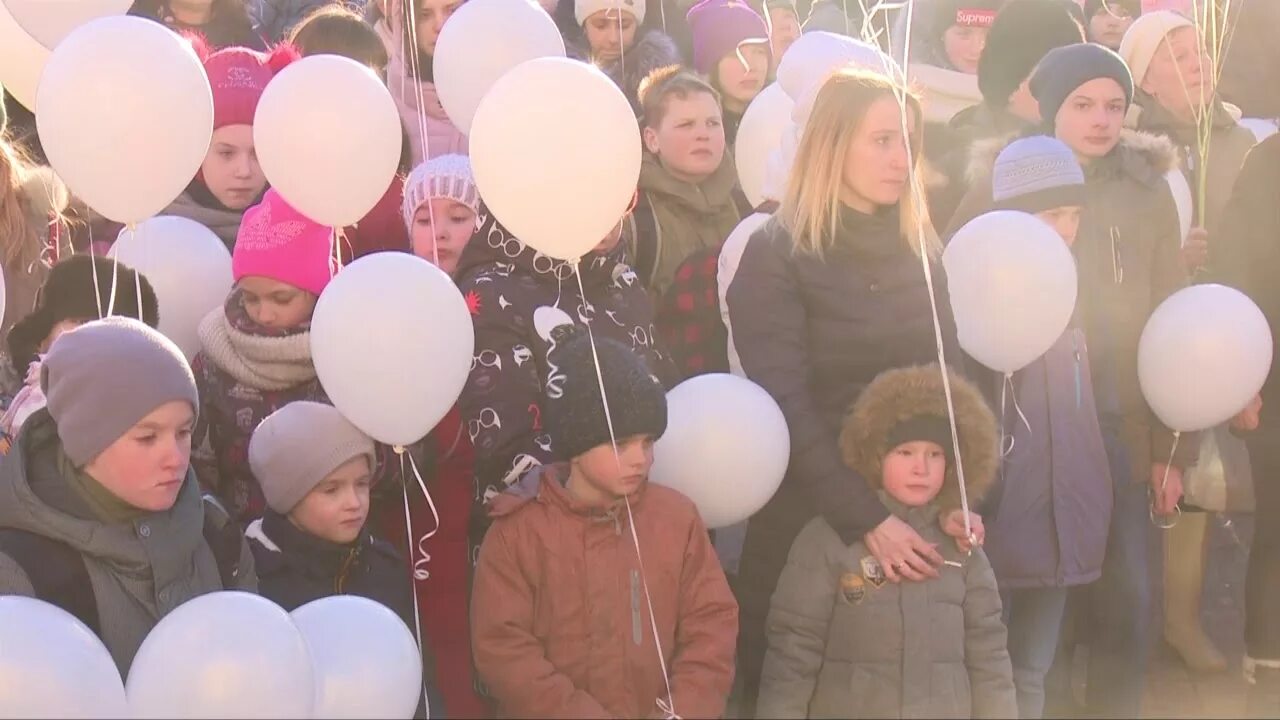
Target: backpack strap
(224, 539)
(56, 572)
(648, 240)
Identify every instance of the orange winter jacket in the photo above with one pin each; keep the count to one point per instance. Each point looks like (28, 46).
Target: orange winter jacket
(559, 623)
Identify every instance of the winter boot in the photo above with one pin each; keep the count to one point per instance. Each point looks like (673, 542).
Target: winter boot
(1263, 677)
(1184, 551)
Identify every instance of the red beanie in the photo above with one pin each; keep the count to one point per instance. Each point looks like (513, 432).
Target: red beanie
(237, 77)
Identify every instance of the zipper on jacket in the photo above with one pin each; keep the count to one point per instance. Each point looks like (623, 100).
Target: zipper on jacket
(340, 582)
(1075, 347)
(636, 622)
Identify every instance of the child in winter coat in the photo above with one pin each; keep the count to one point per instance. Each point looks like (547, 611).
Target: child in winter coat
(567, 620)
(100, 513)
(230, 181)
(731, 48)
(610, 34)
(844, 642)
(315, 469)
(441, 210)
(411, 73)
(1047, 520)
(256, 353)
(79, 289)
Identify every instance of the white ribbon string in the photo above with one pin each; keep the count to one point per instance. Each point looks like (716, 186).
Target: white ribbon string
(411, 20)
(408, 532)
(1151, 511)
(670, 707)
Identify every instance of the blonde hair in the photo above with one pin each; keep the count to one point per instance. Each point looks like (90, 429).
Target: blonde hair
(810, 208)
(21, 240)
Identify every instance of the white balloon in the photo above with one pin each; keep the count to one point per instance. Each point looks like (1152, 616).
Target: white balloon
(367, 663)
(52, 666)
(223, 655)
(125, 115)
(188, 267)
(48, 21)
(1181, 191)
(392, 342)
(1012, 282)
(1204, 354)
(22, 58)
(555, 149)
(760, 134)
(482, 41)
(328, 136)
(816, 55)
(726, 447)
(1262, 128)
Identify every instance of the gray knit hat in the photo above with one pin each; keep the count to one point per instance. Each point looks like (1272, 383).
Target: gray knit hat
(105, 376)
(295, 448)
(1065, 69)
(1036, 174)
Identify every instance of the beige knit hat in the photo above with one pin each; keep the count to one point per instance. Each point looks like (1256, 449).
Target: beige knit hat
(295, 448)
(1144, 36)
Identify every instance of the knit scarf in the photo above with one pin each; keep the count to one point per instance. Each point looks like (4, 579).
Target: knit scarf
(222, 220)
(264, 359)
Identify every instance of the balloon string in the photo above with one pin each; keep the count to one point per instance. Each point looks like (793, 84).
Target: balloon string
(115, 278)
(670, 707)
(423, 136)
(417, 610)
(97, 289)
(137, 275)
(420, 571)
(1151, 511)
(1006, 448)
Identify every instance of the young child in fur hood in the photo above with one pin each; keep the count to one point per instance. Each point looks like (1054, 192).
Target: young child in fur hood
(844, 642)
(562, 623)
(613, 39)
(315, 469)
(256, 353)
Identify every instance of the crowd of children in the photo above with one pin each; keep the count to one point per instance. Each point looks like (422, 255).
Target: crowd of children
(561, 583)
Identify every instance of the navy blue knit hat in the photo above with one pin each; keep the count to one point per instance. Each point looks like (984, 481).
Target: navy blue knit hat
(1066, 68)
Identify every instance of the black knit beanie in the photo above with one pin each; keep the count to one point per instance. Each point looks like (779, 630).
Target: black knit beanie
(1066, 68)
(71, 293)
(929, 428)
(574, 411)
(1024, 32)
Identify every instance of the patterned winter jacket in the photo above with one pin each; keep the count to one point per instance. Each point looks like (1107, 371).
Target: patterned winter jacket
(516, 296)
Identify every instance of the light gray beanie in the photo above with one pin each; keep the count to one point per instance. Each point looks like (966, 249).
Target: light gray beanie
(105, 376)
(1036, 174)
(297, 446)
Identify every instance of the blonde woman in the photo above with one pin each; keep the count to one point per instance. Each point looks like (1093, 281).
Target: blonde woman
(830, 293)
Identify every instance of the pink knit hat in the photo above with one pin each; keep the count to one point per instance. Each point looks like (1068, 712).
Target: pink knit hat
(720, 27)
(237, 77)
(275, 241)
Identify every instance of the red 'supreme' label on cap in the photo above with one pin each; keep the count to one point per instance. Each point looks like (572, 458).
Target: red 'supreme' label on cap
(976, 17)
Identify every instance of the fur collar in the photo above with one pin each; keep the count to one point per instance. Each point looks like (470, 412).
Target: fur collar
(1142, 156)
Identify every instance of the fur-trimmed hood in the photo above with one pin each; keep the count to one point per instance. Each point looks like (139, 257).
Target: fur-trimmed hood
(1143, 156)
(903, 393)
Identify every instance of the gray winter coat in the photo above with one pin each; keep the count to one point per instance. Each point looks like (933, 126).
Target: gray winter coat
(843, 646)
(139, 571)
(1048, 519)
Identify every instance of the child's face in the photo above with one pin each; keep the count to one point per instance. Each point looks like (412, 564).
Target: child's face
(230, 168)
(689, 139)
(336, 509)
(1108, 25)
(605, 478)
(609, 32)
(964, 46)
(441, 230)
(274, 304)
(1091, 118)
(61, 327)
(739, 83)
(147, 465)
(786, 30)
(1066, 220)
(430, 20)
(914, 471)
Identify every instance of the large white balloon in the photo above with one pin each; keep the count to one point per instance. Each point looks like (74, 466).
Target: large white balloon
(48, 21)
(328, 137)
(223, 655)
(52, 666)
(392, 343)
(367, 662)
(815, 55)
(760, 134)
(726, 447)
(188, 267)
(555, 149)
(22, 58)
(1013, 288)
(1204, 354)
(125, 115)
(481, 42)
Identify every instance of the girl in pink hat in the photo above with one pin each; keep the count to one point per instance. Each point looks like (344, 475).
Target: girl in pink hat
(256, 354)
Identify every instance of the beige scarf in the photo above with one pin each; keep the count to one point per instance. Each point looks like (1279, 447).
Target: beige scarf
(265, 363)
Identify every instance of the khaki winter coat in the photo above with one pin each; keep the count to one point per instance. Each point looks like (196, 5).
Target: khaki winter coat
(845, 643)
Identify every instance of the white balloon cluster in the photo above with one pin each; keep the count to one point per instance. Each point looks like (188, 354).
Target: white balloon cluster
(221, 655)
